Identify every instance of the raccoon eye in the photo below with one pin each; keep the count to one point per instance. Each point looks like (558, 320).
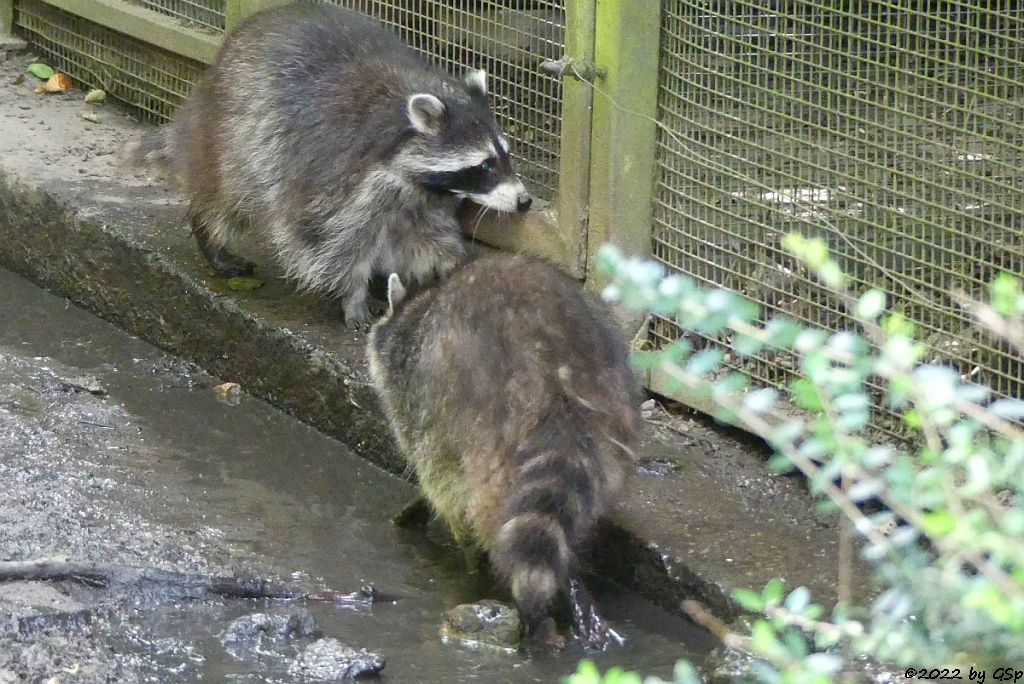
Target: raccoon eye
(487, 164)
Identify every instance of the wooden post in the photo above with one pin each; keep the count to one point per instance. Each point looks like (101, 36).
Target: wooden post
(624, 131)
(574, 154)
(236, 10)
(6, 18)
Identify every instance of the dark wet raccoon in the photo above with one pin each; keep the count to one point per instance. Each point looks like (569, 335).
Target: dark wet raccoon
(509, 391)
(321, 129)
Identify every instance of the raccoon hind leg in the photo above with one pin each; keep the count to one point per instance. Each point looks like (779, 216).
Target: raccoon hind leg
(211, 243)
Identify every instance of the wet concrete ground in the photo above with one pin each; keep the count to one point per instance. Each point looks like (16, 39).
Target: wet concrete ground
(158, 471)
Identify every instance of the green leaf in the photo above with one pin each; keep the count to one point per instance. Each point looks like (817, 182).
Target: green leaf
(1008, 409)
(705, 361)
(805, 394)
(782, 332)
(938, 523)
(749, 600)
(586, 673)
(1013, 522)
(772, 593)
(685, 673)
(1004, 292)
(40, 71)
(763, 639)
(761, 400)
(832, 275)
(989, 599)
(896, 324)
(645, 360)
(746, 346)
(870, 305)
(781, 464)
(815, 253)
(244, 283)
(608, 259)
(798, 600)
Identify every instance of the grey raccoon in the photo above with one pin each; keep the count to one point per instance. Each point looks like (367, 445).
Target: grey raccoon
(320, 128)
(509, 392)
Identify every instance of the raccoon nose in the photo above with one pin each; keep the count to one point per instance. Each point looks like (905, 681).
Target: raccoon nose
(524, 202)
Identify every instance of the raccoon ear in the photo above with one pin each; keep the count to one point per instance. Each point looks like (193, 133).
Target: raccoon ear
(396, 292)
(476, 81)
(426, 113)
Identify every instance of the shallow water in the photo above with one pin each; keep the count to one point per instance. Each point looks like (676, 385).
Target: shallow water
(267, 487)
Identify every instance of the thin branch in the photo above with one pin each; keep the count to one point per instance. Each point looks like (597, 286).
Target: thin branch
(106, 575)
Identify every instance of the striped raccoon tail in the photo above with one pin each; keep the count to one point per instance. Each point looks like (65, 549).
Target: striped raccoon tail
(149, 151)
(553, 504)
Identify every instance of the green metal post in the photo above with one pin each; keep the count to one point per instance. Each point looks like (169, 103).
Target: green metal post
(624, 130)
(574, 146)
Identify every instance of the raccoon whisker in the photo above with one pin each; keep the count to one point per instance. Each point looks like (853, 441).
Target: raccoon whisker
(479, 217)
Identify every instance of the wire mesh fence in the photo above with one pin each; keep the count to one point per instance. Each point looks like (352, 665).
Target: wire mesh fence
(896, 134)
(509, 40)
(204, 14)
(893, 129)
(154, 82)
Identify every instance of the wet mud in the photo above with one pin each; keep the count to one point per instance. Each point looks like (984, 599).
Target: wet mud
(116, 453)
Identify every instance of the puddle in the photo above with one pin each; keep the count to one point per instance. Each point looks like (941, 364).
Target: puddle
(246, 486)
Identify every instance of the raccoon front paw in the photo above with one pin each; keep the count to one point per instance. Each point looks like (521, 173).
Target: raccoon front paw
(377, 307)
(227, 265)
(357, 316)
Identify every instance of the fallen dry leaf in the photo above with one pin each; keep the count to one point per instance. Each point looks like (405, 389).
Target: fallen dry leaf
(90, 117)
(57, 83)
(18, 80)
(228, 389)
(84, 383)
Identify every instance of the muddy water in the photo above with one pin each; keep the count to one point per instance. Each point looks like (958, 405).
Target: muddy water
(266, 492)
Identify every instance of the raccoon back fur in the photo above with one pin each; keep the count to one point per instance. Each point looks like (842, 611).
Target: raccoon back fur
(509, 392)
(320, 128)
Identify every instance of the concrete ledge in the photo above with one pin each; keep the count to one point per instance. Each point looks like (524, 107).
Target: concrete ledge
(701, 518)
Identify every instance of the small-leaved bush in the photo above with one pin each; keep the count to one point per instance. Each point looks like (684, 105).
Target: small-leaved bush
(944, 531)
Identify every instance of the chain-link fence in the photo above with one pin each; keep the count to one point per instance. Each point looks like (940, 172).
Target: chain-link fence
(893, 130)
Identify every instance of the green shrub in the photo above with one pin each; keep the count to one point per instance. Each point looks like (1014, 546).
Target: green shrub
(947, 546)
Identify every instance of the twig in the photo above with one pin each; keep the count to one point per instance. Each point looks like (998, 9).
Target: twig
(99, 425)
(104, 575)
(669, 426)
(706, 619)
